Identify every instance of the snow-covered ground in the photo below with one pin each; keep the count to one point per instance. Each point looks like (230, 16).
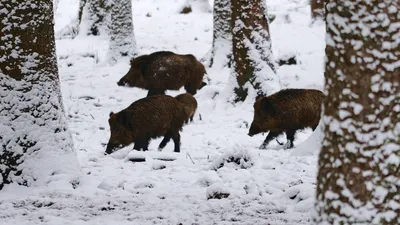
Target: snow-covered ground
(273, 186)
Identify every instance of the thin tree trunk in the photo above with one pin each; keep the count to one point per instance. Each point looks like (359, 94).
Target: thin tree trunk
(94, 22)
(92, 19)
(122, 37)
(252, 54)
(34, 141)
(359, 170)
(221, 51)
(318, 9)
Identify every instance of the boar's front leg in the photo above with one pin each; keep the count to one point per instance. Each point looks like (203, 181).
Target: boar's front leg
(164, 142)
(269, 138)
(145, 144)
(290, 137)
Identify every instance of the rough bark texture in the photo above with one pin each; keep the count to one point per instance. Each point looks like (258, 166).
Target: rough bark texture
(221, 51)
(122, 37)
(252, 55)
(318, 9)
(34, 141)
(359, 164)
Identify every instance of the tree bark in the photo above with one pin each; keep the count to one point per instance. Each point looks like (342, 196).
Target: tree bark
(92, 16)
(252, 55)
(122, 37)
(359, 170)
(35, 144)
(221, 51)
(318, 9)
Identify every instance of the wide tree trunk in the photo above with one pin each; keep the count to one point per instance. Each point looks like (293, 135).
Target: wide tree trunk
(359, 164)
(253, 61)
(35, 145)
(221, 51)
(318, 9)
(122, 37)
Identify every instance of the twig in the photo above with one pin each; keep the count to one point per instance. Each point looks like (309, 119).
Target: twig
(187, 154)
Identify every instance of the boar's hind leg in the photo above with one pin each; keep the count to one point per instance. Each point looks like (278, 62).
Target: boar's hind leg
(269, 138)
(164, 142)
(155, 92)
(290, 137)
(176, 137)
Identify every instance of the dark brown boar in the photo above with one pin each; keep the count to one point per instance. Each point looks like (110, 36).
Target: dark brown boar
(146, 118)
(189, 103)
(286, 111)
(165, 70)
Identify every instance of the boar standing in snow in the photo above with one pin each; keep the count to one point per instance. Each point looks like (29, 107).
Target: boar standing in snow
(146, 118)
(286, 111)
(189, 103)
(164, 70)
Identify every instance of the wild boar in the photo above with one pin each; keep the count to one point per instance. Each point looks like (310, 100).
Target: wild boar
(165, 70)
(286, 111)
(145, 119)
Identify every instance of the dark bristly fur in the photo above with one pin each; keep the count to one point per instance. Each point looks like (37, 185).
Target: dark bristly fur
(145, 119)
(189, 103)
(286, 111)
(165, 70)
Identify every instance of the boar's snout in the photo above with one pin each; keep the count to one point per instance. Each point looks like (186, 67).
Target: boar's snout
(121, 82)
(254, 129)
(203, 84)
(111, 148)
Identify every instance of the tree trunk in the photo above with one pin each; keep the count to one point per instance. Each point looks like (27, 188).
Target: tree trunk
(35, 145)
(359, 171)
(252, 55)
(221, 51)
(92, 16)
(122, 37)
(92, 19)
(318, 9)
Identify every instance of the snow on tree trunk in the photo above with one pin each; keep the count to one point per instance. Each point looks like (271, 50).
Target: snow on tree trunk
(358, 178)
(195, 6)
(35, 145)
(92, 17)
(253, 63)
(221, 51)
(122, 38)
(318, 9)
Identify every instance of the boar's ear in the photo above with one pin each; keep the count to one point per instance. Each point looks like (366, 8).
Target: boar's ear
(260, 95)
(111, 113)
(267, 106)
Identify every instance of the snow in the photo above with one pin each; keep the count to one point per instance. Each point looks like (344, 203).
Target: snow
(275, 186)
